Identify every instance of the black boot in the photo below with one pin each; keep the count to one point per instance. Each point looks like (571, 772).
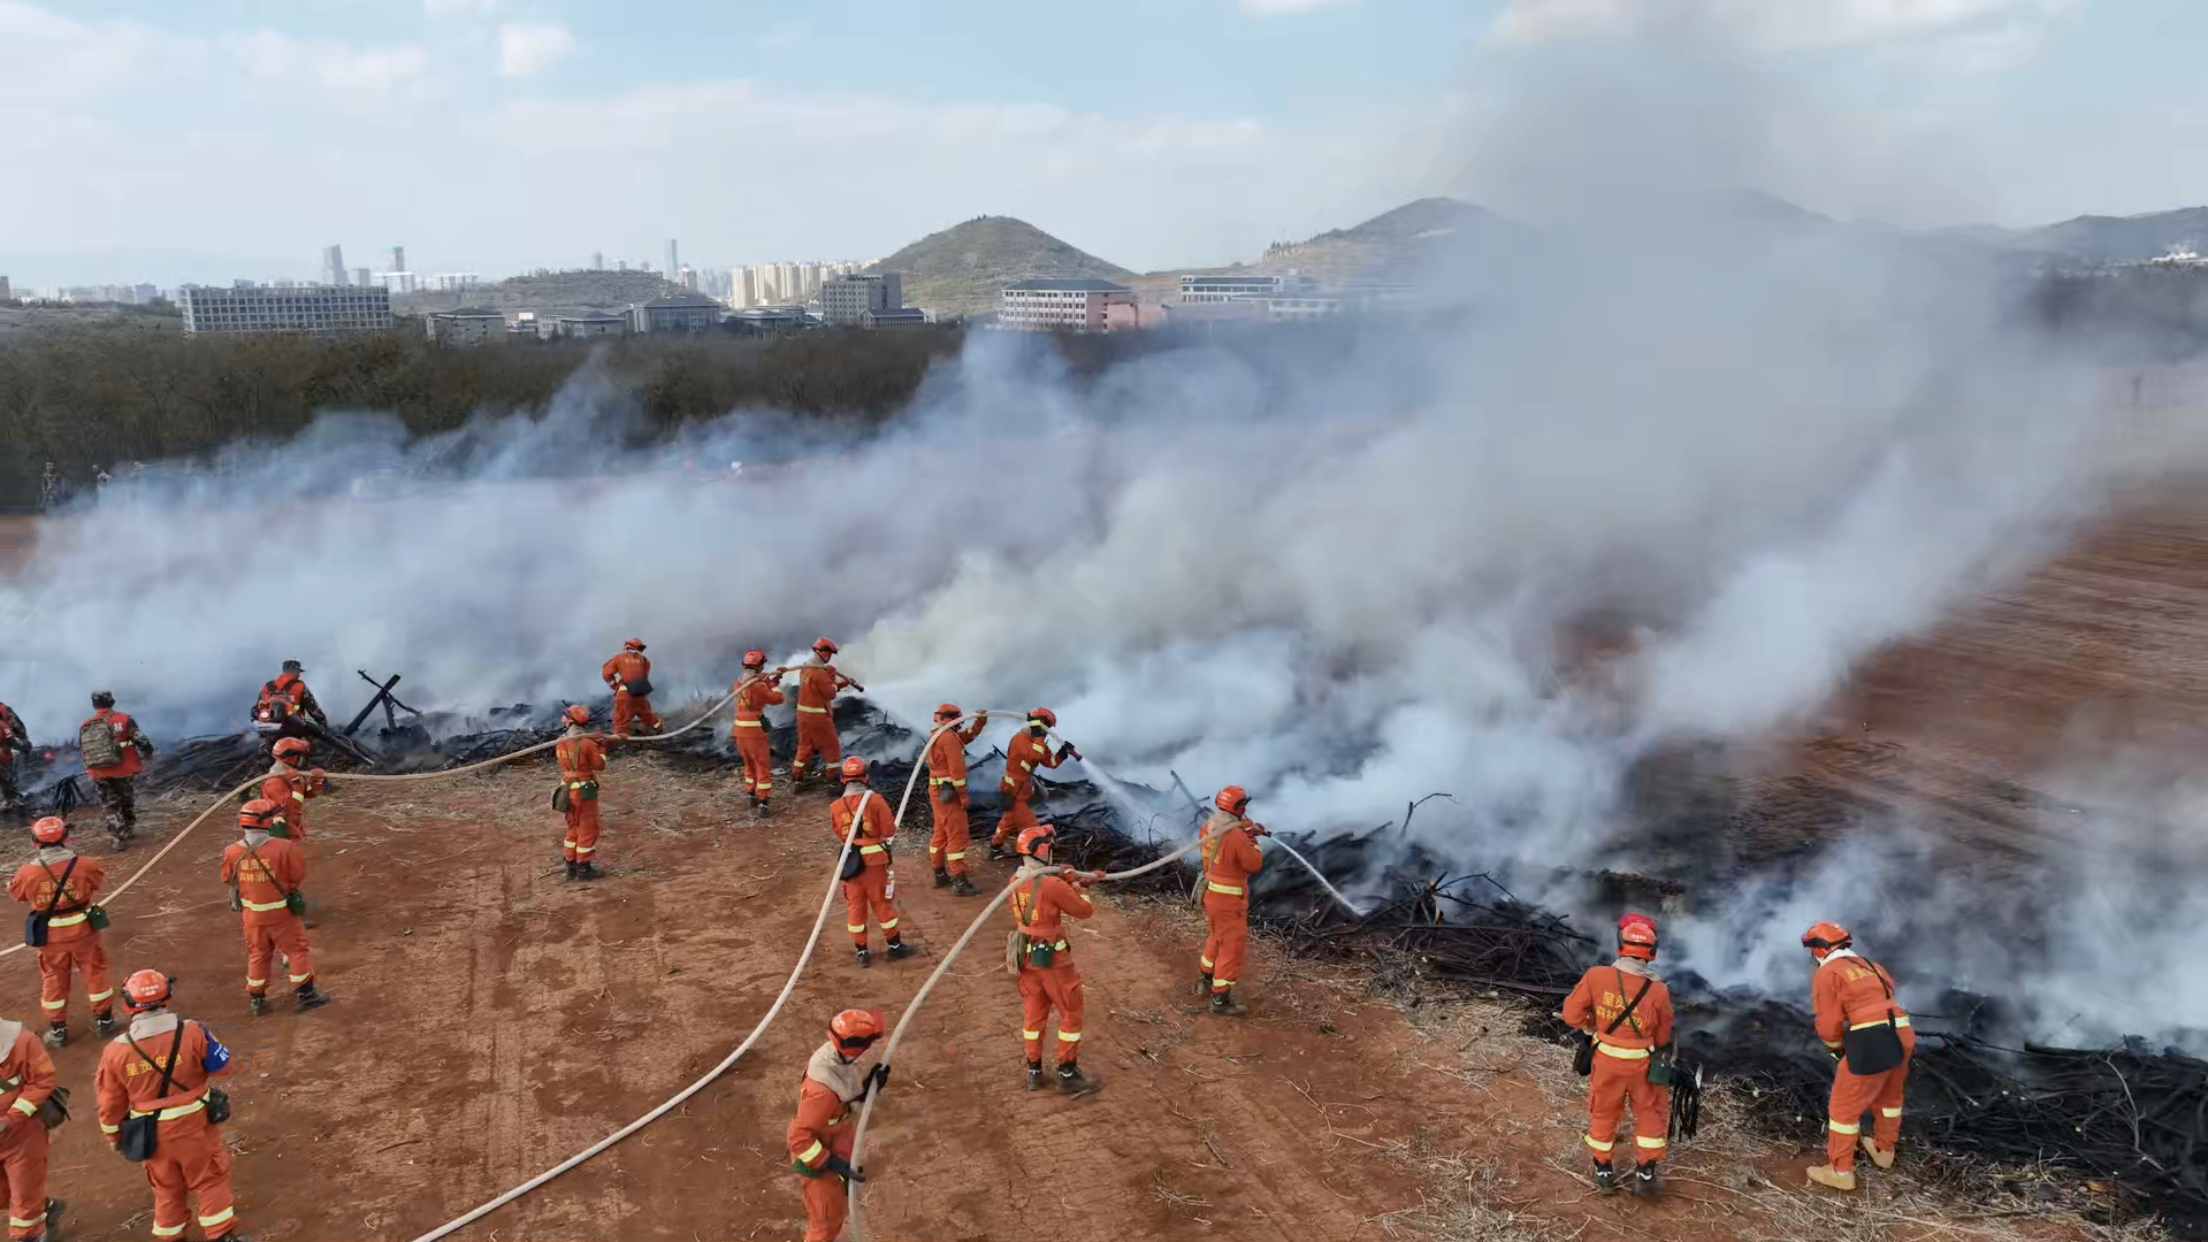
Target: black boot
(863, 958)
(1071, 1081)
(105, 1025)
(1034, 1075)
(259, 1004)
(54, 1209)
(1203, 984)
(942, 879)
(1224, 1004)
(765, 809)
(572, 866)
(57, 1034)
(963, 887)
(899, 950)
(1606, 1180)
(998, 853)
(1644, 1182)
(587, 871)
(310, 997)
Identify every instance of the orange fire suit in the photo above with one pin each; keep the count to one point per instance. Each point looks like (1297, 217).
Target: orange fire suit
(876, 887)
(1621, 1055)
(581, 760)
(26, 1079)
(824, 1127)
(1040, 900)
(71, 943)
(263, 873)
(292, 689)
(817, 685)
(619, 672)
(1847, 993)
(1031, 749)
(754, 694)
(289, 788)
(947, 796)
(190, 1157)
(1231, 857)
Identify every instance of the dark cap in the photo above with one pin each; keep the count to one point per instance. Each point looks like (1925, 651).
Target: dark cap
(103, 698)
(294, 666)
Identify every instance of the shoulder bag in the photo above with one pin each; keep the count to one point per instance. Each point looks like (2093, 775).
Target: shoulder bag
(854, 864)
(142, 1131)
(1875, 1048)
(34, 923)
(294, 900)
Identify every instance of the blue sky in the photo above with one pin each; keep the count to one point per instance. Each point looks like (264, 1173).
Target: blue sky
(168, 139)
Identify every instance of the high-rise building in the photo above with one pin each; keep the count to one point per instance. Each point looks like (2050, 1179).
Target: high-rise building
(743, 290)
(847, 300)
(398, 258)
(674, 265)
(362, 277)
(687, 277)
(264, 310)
(597, 260)
(5, 296)
(621, 264)
(333, 265)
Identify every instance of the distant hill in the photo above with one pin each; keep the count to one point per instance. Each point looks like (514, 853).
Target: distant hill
(2119, 239)
(579, 288)
(1394, 246)
(961, 269)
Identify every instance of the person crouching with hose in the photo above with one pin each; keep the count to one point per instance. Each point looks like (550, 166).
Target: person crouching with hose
(1626, 1009)
(822, 1133)
(1042, 895)
(1016, 791)
(1231, 857)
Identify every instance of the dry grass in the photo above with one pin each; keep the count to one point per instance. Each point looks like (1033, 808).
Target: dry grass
(1459, 1205)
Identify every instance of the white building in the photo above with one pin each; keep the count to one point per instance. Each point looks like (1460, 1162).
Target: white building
(450, 282)
(262, 310)
(1060, 305)
(1201, 289)
(846, 300)
(400, 282)
(333, 265)
(475, 325)
(677, 312)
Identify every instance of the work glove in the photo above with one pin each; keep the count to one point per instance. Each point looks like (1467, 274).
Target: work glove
(877, 1078)
(1260, 830)
(1066, 750)
(842, 1168)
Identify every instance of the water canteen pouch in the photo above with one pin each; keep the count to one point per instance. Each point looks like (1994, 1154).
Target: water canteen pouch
(1660, 1072)
(55, 1110)
(1583, 1053)
(97, 745)
(586, 791)
(34, 923)
(1038, 952)
(142, 1132)
(640, 688)
(296, 902)
(218, 1106)
(96, 917)
(1877, 1048)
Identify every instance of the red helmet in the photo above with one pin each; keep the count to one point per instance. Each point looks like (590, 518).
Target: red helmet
(576, 713)
(854, 768)
(1233, 800)
(854, 1030)
(147, 989)
(827, 645)
(50, 830)
(287, 747)
(258, 813)
(1038, 837)
(1824, 937)
(755, 658)
(1048, 717)
(947, 711)
(633, 644)
(1637, 937)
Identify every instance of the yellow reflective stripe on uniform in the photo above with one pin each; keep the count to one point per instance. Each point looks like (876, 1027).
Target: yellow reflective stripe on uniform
(33, 1223)
(296, 796)
(1833, 1044)
(889, 925)
(870, 849)
(577, 784)
(97, 997)
(1843, 1127)
(1028, 764)
(176, 1231)
(817, 711)
(63, 1003)
(960, 856)
(108, 1129)
(298, 979)
(946, 780)
(1064, 1038)
(1031, 1034)
(751, 724)
(1599, 1145)
(262, 907)
(256, 983)
(181, 1110)
(1623, 1054)
(1902, 1020)
(1229, 889)
(67, 920)
(812, 1153)
(1204, 962)
(1646, 1143)
(854, 928)
(222, 1217)
(24, 1106)
(1222, 985)
(1889, 1113)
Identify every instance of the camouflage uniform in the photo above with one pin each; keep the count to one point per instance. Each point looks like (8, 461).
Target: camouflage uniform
(119, 795)
(13, 737)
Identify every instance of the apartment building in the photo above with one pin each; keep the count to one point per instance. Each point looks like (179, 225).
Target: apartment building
(1060, 305)
(264, 310)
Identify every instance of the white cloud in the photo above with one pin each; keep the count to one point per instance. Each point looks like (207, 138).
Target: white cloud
(1275, 8)
(526, 48)
(338, 67)
(446, 10)
(1948, 34)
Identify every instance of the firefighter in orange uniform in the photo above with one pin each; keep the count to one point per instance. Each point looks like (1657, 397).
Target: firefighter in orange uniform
(1626, 1010)
(755, 693)
(1027, 751)
(289, 788)
(581, 760)
(947, 797)
(1868, 1034)
(28, 1075)
(876, 885)
(265, 872)
(162, 1067)
(818, 683)
(821, 1134)
(114, 779)
(61, 884)
(1231, 857)
(630, 675)
(1042, 896)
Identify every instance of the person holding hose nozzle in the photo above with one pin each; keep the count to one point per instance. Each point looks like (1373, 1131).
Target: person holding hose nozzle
(289, 788)
(874, 885)
(1042, 895)
(1626, 1010)
(1017, 790)
(630, 675)
(820, 1136)
(947, 797)
(1231, 857)
(755, 692)
(1867, 1032)
(818, 683)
